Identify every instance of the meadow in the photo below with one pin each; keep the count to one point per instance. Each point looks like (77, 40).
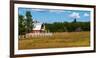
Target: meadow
(57, 40)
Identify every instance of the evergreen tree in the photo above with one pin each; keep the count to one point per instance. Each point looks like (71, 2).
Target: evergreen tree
(29, 22)
(21, 25)
(75, 20)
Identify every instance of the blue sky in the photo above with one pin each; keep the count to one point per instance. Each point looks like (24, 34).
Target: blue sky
(56, 15)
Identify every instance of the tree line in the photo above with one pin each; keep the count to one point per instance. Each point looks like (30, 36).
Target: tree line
(67, 26)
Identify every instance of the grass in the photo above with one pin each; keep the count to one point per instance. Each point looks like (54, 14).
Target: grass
(57, 40)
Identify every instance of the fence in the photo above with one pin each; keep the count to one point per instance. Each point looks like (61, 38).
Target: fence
(35, 35)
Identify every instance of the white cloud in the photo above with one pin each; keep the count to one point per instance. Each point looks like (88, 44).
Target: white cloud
(38, 9)
(86, 14)
(49, 10)
(56, 11)
(74, 15)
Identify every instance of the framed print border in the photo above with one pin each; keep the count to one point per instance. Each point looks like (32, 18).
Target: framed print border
(12, 24)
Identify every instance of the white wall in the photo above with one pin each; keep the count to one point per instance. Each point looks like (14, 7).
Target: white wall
(4, 29)
(88, 2)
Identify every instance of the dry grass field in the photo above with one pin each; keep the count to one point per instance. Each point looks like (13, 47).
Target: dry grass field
(57, 40)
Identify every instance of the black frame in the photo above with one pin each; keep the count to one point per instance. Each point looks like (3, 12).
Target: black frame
(12, 55)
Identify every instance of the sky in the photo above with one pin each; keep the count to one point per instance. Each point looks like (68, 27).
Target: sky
(56, 15)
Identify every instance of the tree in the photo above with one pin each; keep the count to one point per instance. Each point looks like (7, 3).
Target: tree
(29, 22)
(25, 23)
(21, 23)
(74, 20)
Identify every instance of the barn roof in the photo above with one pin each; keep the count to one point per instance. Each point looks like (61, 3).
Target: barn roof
(37, 26)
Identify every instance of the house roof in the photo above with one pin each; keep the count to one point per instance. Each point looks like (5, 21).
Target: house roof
(37, 26)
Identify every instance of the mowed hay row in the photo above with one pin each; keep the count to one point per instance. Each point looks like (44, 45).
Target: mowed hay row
(57, 40)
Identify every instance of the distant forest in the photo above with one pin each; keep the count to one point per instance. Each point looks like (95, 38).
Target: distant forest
(67, 26)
